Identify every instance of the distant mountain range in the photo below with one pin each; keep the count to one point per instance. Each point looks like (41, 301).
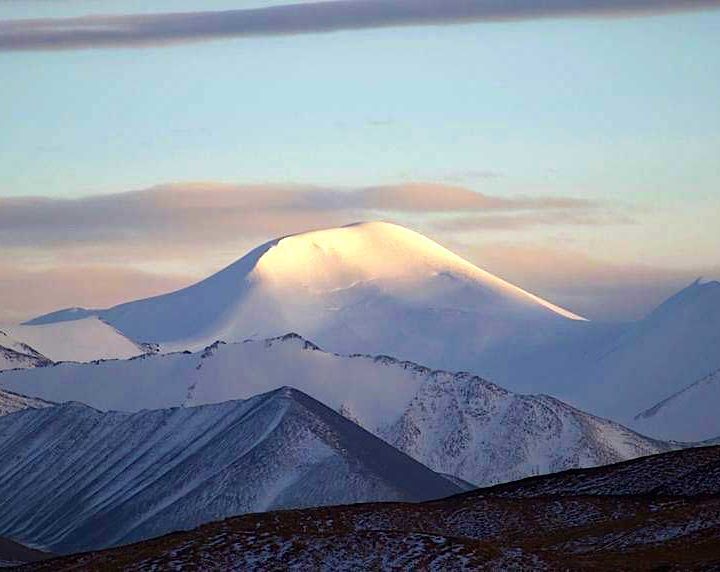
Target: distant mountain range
(454, 423)
(659, 512)
(378, 288)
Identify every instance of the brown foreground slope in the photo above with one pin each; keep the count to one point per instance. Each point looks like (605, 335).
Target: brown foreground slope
(655, 513)
(13, 553)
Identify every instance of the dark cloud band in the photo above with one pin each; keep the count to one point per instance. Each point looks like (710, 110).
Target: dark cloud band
(307, 18)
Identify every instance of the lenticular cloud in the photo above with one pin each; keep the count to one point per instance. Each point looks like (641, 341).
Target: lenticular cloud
(307, 18)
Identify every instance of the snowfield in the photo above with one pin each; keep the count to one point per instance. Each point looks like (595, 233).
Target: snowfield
(691, 414)
(77, 340)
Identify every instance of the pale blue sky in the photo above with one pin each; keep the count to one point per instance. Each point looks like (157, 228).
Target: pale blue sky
(622, 111)
(612, 106)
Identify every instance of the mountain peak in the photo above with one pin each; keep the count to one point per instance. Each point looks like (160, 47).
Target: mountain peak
(700, 296)
(333, 285)
(375, 253)
(339, 257)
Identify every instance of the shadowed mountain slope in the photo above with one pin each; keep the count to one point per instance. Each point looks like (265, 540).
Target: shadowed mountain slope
(594, 519)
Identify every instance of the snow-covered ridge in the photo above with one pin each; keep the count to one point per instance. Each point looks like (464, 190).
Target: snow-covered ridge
(11, 402)
(455, 423)
(652, 360)
(74, 478)
(472, 429)
(16, 354)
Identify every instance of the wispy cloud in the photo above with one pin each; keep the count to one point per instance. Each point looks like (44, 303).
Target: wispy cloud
(432, 197)
(203, 213)
(527, 219)
(141, 30)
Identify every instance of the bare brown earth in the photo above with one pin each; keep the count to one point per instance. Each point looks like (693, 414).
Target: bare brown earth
(656, 513)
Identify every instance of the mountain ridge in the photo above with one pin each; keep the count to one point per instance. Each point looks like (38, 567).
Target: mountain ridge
(454, 422)
(76, 478)
(378, 288)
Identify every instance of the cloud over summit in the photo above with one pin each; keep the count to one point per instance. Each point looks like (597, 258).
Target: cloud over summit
(207, 212)
(104, 249)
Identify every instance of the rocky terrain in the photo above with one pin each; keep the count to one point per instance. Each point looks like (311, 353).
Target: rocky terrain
(659, 512)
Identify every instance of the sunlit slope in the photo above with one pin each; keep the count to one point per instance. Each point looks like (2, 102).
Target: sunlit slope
(363, 287)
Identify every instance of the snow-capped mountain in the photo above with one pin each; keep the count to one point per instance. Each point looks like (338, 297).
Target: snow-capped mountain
(690, 414)
(650, 360)
(11, 402)
(455, 423)
(77, 340)
(342, 287)
(74, 478)
(16, 354)
(465, 426)
(378, 288)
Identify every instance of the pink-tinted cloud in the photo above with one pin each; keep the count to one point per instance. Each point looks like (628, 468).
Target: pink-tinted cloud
(101, 250)
(203, 213)
(561, 217)
(428, 197)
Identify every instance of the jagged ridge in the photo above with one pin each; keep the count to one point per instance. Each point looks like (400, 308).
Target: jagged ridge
(455, 423)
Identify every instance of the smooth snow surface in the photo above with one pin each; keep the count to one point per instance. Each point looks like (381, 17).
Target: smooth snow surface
(73, 478)
(653, 359)
(692, 414)
(342, 285)
(78, 340)
(455, 423)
